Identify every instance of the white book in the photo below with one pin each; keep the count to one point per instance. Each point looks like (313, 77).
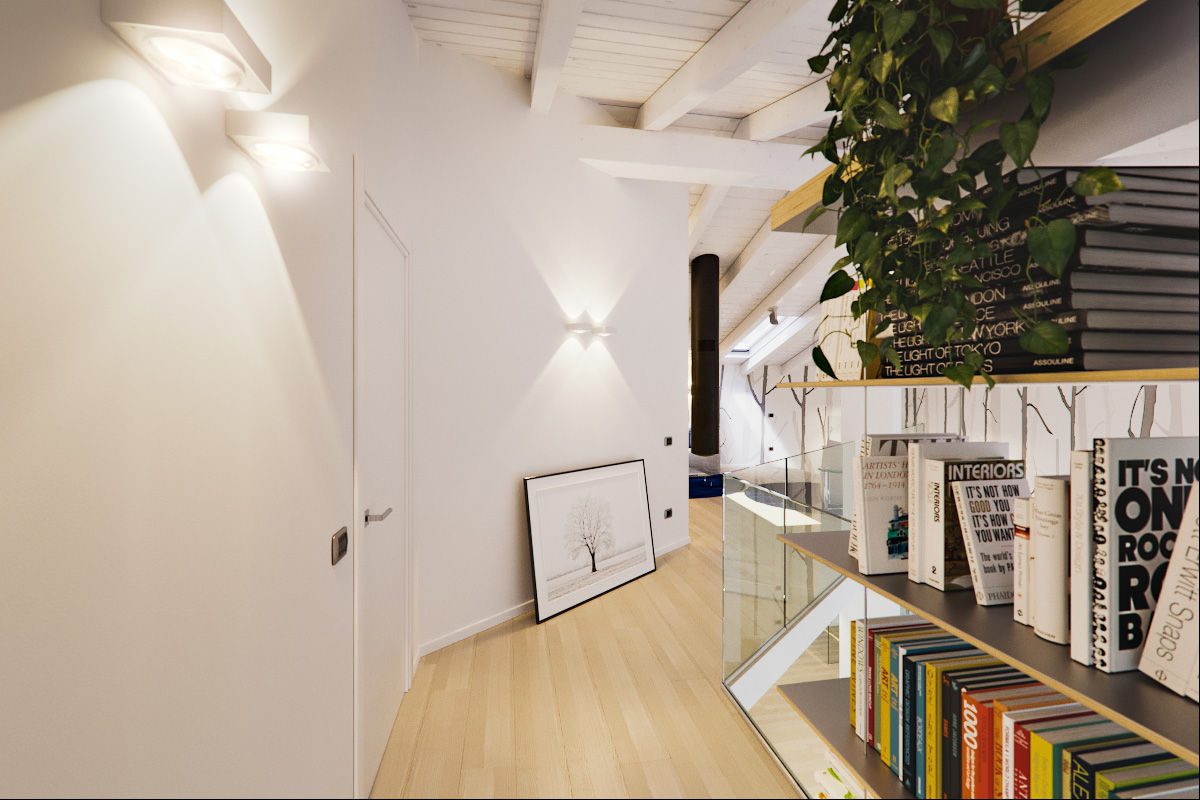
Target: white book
(1008, 727)
(985, 515)
(917, 453)
(1174, 638)
(856, 517)
(882, 497)
(1050, 543)
(1021, 561)
(1139, 487)
(1081, 557)
(942, 543)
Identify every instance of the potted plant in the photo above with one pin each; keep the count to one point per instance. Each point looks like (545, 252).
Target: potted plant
(917, 150)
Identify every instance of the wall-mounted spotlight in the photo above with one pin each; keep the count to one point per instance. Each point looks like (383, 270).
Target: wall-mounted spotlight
(191, 42)
(274, 140)
(583, 328)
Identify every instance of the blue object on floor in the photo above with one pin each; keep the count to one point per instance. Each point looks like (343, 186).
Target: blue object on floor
(704, 486)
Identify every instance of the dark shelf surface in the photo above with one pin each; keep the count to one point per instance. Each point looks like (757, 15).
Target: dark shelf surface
(826, 706)
(1130, 698)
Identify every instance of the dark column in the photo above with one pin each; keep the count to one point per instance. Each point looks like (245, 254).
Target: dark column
(706, 401)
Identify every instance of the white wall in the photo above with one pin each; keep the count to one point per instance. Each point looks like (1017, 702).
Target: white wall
(175, 383)
(526, 238)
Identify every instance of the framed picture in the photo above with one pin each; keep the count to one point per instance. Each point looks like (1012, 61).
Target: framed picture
(589, 532)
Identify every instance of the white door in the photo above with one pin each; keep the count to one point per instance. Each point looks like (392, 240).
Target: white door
(382, 562)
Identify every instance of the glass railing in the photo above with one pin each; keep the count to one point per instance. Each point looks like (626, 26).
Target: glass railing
(786, 616)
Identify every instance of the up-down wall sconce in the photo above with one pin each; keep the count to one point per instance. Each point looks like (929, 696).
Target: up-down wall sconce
(191, 42)
(274, 140)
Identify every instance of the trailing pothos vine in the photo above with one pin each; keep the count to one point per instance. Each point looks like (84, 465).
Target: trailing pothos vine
(918, 157)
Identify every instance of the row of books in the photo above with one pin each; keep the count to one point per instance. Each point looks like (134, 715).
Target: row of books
(952, 721)
(1130, 295)
(1103, 560)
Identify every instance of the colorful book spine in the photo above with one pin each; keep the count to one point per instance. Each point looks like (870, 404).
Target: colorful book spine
(1081, 557)
(1021, 560)
(1045, 753)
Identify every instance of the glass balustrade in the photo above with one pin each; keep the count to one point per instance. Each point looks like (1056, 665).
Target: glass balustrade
(786, 616)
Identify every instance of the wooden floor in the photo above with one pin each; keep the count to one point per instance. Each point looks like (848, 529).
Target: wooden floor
(619, 697)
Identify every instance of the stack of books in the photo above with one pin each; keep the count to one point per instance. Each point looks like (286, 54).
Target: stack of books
(1128, 299)
(952, 721)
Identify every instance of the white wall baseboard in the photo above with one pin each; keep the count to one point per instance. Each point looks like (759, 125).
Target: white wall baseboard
(521, 608)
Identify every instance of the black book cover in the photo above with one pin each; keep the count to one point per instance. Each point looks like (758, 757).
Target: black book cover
(953, 682)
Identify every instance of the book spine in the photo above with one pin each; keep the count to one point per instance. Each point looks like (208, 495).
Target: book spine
(883, 702)
(860, 672)
(976, 749)
(1083, 778)
(933, 733)
(1006, 756)
(963, 506)
(1041, 767)
(856, 519)
(918, 750)
(1021, 560)
(1102, 562)
(908, 727)
(1021, 778)
(934, 523)
(1049, 541)
(854, 677)
(1081, 557)
(952, 782)
(895, 684)
(1173, 638)
(916, 531)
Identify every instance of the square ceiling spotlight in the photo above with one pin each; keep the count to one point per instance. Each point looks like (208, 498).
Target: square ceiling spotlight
(274, 140)
(191, 42)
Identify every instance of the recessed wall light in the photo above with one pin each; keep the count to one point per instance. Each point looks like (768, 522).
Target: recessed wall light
(580, 327)
(274, 140)
(191, 42)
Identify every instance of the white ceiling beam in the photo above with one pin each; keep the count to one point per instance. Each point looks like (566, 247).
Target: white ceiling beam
(750, 253)
(799, 109)
(702, 214)
(745, 39)
(556, 30)
(816, 264)
(687, 158)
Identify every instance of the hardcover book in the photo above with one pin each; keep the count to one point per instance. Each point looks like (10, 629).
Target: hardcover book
(1140, 490)
(1080, 601)
(947, 568)
(1021, 561)
(917, 453)
(985, 515)
(1173, 647)
(1049, 543)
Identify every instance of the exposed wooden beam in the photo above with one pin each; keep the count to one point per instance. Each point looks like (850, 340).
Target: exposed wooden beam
(687, 158)
(815, 264)
(790, 212)
(1064, 26)
(702, 214)
(797, 110)
(744, 40)
(556, 29)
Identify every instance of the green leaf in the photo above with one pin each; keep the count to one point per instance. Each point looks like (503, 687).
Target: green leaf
(839, 283)
(853, 223)
(973, 63)
(960, 374)
(822, 362)
(943, 41)
(937, 323)
(939, 152)
(1052, 245)
(978, 126)
(1040, 89)
(867, 352)
(1045, 338)
(836, 13)
(896, 175)
(881, 66)
(818, 64)
(861, 44)
(812, 216)
(892, 356)
(896, 23)
(831, 190)
(866, 247)
(1097, 180)
(1018, 139)
(945, 106)
(887, 115)
(990, 80)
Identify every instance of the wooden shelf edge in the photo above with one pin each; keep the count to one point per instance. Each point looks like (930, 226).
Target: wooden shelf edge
(890, 786)
(1094, 376)
(1184, 752)
(1068, 24)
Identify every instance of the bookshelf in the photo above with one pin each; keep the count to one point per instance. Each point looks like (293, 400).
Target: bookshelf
(822, 704)
(1129, 698)
(1095, 376)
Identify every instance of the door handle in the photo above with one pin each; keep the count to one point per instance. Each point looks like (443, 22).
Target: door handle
(368, 518)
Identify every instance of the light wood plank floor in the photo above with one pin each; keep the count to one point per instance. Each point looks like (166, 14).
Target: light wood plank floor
(619, 697)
